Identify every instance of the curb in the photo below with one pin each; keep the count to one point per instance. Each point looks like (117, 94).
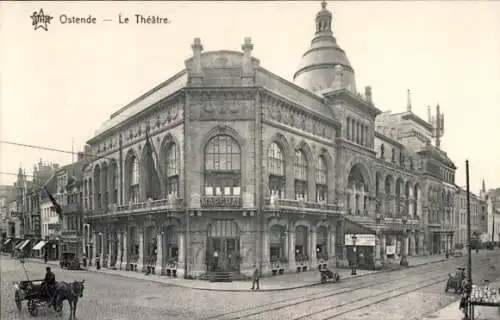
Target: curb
(308, 285)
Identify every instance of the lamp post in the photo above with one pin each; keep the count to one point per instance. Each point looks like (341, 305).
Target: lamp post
(404, 260)
(378, 263)
(355, 260)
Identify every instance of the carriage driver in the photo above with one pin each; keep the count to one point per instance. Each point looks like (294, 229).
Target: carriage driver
(50, 282)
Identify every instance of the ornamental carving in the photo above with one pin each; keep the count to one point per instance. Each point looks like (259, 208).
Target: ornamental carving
(223, 105)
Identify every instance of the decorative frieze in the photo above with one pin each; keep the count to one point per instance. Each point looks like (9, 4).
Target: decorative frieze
(297, 118)
(167, 112)
(221, 105)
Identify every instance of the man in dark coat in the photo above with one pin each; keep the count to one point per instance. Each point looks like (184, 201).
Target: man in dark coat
(255, 277)
(50, 283)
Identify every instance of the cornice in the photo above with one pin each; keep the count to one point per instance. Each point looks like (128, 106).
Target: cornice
(351, 99)
(134, 118)
(297, 132)
(298, 106)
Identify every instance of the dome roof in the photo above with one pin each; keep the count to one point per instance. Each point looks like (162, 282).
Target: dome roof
(317, 69)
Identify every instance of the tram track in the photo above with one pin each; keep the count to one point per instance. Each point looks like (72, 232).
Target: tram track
(365, 302)
(385, 278)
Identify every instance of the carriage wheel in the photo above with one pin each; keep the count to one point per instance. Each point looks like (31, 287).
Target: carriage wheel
(33, 309)
(18, 301)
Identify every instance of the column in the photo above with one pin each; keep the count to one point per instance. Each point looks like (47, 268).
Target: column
(159, 252)
(413, 244)
(353, 199)
(384, 247)
(94, 242)
(361, 200)
(110, 249)
(312, 256)
(331, 245)
(124, 260)
(140, 262)
(182, 258)
(377, 261)
(101, 248)
(265, 253)
(119, 243)
(291, 250)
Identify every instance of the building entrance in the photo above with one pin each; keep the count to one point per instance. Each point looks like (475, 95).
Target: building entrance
(223, 246)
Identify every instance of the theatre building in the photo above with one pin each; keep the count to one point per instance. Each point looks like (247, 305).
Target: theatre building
(243, 167)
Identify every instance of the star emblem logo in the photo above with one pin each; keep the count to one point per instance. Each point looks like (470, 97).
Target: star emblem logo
(41, 20)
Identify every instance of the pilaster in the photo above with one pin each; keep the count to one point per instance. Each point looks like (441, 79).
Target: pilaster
(140, 262)
(159, 252)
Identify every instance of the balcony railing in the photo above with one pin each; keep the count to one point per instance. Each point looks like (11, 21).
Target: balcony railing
(299, 204)
(150, 205)
(72, 208)
(221, 202)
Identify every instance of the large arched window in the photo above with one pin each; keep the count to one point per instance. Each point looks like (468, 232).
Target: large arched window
(172, 170)
(115, 178)
(97, 186)
(222, 167)
(276, 167)
(300, 175)
(321, 179)
(133, 187)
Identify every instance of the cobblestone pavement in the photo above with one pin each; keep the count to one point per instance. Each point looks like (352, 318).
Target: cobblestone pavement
(111, 297)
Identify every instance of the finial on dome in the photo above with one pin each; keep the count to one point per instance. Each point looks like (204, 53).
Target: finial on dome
(323, 4)
(408, 100)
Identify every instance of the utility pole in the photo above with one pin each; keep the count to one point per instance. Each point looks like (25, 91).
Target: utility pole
(469, 248)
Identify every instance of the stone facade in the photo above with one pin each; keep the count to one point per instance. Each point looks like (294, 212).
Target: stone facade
(227, 165)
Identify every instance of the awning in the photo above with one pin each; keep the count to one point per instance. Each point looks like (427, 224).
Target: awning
(7, 241)
(40, 245)
(22, 244)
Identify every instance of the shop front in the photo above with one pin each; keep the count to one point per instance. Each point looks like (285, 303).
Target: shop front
(361, 250)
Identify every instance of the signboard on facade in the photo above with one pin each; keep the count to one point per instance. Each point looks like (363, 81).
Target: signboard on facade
(390, 250)
(361, 240)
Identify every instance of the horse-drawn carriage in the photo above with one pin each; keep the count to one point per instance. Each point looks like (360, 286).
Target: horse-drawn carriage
(328, 275)
(35, 293)
(455, 282)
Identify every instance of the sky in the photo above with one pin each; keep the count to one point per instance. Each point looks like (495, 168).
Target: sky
(58, 86)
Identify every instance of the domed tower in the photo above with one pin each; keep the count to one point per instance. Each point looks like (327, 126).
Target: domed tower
(325, 64)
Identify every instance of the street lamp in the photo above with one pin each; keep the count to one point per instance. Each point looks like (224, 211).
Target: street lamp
(404, 260)
(378, 263)
(355, 260)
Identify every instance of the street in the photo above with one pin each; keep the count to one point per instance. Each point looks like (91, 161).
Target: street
(405, 294)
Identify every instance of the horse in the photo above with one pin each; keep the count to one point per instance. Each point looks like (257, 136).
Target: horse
(70, 292)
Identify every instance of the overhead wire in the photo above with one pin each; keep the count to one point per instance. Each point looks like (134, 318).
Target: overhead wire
(53, 149)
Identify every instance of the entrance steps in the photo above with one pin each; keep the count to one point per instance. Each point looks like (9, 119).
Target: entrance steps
(223, 276)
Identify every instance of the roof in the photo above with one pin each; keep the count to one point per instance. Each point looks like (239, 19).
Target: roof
(437, 154)
(317, 67)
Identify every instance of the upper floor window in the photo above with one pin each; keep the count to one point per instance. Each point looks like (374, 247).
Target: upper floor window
(321, 179)
(393, 156)
(276, 167)
(301, 166)
(133, 178)
(172, 170)
(222, 166)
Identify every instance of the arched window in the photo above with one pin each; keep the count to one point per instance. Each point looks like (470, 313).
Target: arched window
(91, 194)
(97, 186)
(134, 180)
(321, 179)
(222, 167)
(276, 167)
(348, 128)
(116, 181)
(300, 175)
(172, 173)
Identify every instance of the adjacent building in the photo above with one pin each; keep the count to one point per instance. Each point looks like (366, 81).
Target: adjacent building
(226, 157)
(493, 212)
(477, 217)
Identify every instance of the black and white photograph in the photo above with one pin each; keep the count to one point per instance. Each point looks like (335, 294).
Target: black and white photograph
(250, 160)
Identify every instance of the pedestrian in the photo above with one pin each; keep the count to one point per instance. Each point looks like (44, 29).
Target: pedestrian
(215, 260)
(98, 262)
(85, 260)
(464, 300)
(255, 277)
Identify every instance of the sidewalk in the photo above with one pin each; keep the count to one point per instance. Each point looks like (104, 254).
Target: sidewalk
(451, 311)
(275, 283)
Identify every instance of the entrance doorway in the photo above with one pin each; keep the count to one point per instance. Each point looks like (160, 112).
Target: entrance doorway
(223, 246)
